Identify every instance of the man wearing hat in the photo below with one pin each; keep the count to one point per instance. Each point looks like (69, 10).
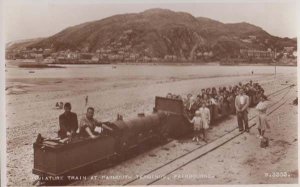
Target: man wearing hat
(241, 105)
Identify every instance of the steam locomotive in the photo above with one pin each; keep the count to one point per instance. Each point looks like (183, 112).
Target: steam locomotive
(55, 160)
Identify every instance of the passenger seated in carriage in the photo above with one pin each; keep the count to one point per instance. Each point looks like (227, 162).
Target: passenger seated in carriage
(88, 124)
(169, 95)
(68, 122)
(173, 96)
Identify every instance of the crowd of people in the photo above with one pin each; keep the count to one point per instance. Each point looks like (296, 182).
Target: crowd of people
(212, 104)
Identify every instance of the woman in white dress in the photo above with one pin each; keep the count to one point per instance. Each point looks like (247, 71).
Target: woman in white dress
(262, 121)
(205, 118)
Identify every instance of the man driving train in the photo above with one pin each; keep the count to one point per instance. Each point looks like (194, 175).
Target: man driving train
(88, 124)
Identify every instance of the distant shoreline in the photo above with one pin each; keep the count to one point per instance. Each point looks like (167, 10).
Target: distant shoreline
(178, 64)
(259, 64)
(215, 63)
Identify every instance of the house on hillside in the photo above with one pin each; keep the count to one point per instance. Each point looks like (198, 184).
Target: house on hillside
(10, 55)
(256, 54)
(146, 59)
(246, 40)
(39, 58)
(133, 57)
(170, 58)
(47, 52)
(40, 51)
(288, 49)
(252, 37)
(95, 58)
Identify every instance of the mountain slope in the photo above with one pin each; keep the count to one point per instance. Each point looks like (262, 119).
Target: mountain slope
(161, 32)
(19, 44)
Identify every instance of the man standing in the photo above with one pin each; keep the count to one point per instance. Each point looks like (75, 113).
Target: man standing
(88, 124)
(241, 105)
(68, 122)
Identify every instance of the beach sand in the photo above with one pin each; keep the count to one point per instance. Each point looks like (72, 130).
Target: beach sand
(31, 110)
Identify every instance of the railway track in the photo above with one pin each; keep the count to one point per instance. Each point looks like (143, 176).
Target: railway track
(166, 169)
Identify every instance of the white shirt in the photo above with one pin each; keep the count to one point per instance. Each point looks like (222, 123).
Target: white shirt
(242, 99)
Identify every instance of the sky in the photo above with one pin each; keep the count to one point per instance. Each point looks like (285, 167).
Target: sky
(25, 19)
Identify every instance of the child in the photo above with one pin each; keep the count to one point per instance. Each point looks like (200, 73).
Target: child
(205, 118)
(197, 125)
(262, 116)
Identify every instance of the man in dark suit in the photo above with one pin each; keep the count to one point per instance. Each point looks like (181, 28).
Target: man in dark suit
(68, 122)
(241, 105)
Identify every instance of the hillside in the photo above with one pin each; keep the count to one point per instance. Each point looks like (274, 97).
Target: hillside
(161, 32)
(22, 43)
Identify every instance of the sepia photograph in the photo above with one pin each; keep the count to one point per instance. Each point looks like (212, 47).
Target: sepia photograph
(150, 92)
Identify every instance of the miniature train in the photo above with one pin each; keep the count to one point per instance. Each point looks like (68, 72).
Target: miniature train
(53, 158)
(168, 120)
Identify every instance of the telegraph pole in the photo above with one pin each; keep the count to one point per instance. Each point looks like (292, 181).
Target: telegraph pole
(275, 61)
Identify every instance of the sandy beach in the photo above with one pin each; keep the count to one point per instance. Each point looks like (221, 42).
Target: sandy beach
(31, 110)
